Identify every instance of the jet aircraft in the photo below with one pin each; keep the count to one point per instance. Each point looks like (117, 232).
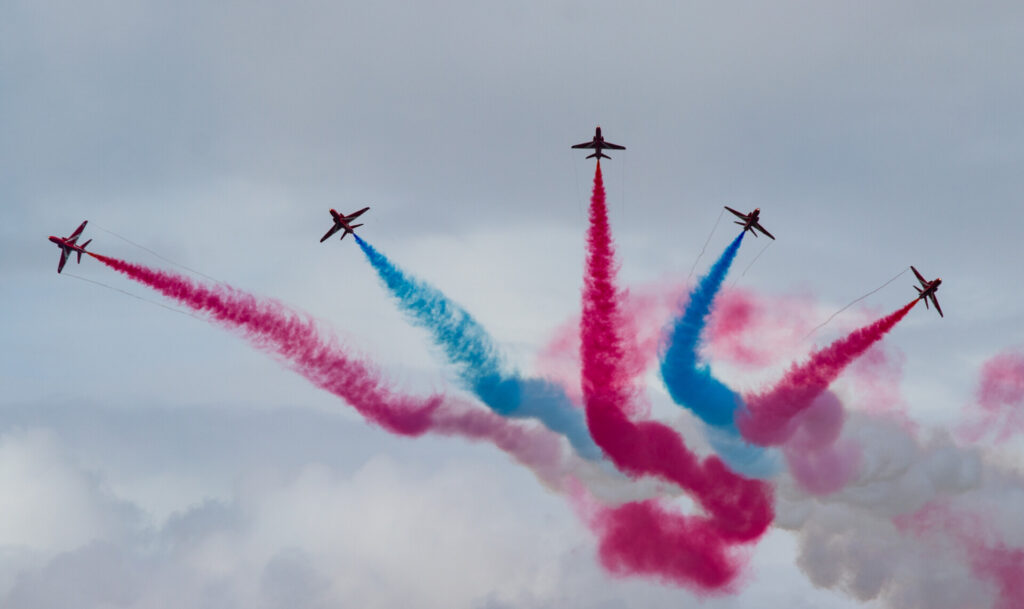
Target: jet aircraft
(750, 221)
(927, 290)
(342, 222)
(599, 144)
(69, 244)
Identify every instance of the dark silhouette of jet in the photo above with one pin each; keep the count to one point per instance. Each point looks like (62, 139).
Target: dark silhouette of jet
(599, 144)
(927, 290)
(750, 222)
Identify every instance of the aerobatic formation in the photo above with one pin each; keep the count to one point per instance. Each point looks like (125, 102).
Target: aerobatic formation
(880, 510)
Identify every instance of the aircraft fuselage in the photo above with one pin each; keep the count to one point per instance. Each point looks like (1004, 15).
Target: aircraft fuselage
(930, 288)
(65, 244)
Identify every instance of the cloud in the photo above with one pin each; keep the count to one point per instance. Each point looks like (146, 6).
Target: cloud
(50, 505)
(324, 517)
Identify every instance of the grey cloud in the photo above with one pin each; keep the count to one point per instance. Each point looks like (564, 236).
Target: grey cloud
(290, 580)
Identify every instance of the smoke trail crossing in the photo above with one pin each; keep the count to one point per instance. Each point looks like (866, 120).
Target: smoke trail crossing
(480, 365)
(296, 339)
(739, 510)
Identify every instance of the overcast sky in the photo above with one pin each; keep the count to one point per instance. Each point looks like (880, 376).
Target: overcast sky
(150, 454)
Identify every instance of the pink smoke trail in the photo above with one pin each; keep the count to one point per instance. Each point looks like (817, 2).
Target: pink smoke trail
(818, 459)
(1003, 566)
(753, 330)
(295, 338)
(769, 417)
(645, 537)
(648, 309)
(1000, 399)
(989, 558)
(740, 510)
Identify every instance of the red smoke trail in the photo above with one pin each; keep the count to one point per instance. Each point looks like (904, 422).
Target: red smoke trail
(295, 338)
(272, 327)
(643, 537)
(648, 309)
(768, 418)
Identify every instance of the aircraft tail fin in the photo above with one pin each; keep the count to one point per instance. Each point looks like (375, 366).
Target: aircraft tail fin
(598, 155)
(350, 229)
(924, 298)
(82, 250)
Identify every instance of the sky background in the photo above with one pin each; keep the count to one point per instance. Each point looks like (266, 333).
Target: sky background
(146, 455)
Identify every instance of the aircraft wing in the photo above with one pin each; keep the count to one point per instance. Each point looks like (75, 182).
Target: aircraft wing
(736, 213)
(919, 277)
(612, 146)
(333, 230)
(78, 231)
(356, 214)
(935, 301)
(761, 228)
(585, 145)
(63, 259)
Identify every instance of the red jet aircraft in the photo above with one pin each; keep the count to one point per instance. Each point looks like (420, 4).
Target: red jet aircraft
(927, 290)
(598, 144)
(750, 222)
(342, 222)
(68, 245)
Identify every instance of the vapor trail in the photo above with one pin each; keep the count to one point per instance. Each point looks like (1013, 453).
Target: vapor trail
(135, 296)
(705, 246)
(747, 268)
(686, 550)
(157, 254)
(480, 365)
(853, 302)
(769, 417)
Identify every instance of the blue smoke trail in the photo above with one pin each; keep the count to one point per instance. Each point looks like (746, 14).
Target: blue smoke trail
(480, 366)
(691, 384)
